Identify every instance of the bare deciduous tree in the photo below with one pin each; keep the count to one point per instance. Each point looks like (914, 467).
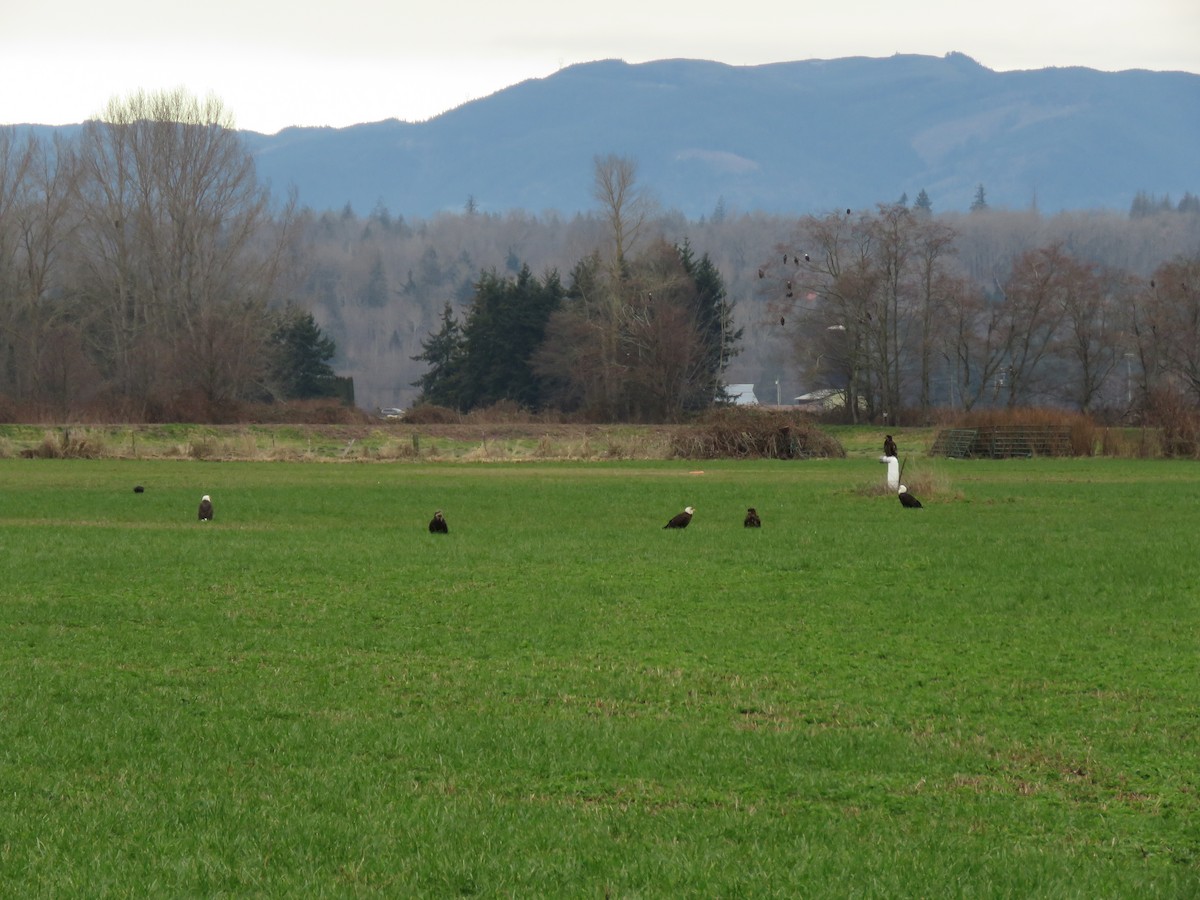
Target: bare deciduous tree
(1032, 311)
(178, 250)
(1093, 338)
(37, 222)
(935, 290)
(1172, 333)
(623, 204)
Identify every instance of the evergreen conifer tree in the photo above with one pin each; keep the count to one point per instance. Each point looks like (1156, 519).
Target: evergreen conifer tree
(441, 385)
(979, 204)
(300, 365)
(714, 321)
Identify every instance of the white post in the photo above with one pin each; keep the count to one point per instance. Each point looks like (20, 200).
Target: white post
(893, 471)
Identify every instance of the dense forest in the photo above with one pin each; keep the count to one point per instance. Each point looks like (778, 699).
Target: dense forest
(146, 273)
(902, 308)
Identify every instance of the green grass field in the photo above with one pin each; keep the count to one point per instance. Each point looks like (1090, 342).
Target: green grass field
(995, 696)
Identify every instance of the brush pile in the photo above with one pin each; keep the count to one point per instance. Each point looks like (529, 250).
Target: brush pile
(748, 433)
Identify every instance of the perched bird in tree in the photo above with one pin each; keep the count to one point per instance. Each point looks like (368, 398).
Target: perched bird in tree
(437, 525)
(889, 446)
(752, 520)
(907, 500)
(206, 509)
(680, 520)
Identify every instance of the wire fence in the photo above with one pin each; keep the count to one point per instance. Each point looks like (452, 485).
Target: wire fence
(1003, 442)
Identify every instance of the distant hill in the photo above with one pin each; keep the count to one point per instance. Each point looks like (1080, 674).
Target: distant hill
(792, 137)
(787, 138)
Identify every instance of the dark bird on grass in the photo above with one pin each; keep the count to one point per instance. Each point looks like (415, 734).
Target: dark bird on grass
(206, 509)
(752, 520)
(907, 500)
(437, 525)
(138, 489)
(681, 520)
(782, 321)
(889, 446)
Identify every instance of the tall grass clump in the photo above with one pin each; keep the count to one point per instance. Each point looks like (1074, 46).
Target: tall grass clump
(926, 481)
(1142, 442)
(69, 443)
(1177, 423)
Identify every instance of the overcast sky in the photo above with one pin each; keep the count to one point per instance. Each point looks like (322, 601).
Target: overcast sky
(275, 64)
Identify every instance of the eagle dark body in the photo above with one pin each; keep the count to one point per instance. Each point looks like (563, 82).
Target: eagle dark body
(752, 520)
(681, 520)
(206, 509)
(437, 525)
(907, 500)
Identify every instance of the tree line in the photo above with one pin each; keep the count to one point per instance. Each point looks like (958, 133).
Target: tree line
(631, 337)
(879, 312)
(884, 314)
(146, 273)
(650, 346)
(381, 285)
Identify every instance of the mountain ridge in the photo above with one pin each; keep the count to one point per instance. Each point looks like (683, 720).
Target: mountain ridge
(785, 138)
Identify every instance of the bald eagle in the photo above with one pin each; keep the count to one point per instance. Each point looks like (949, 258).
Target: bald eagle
(752, 520)
(889, 446)
(907, 500)
(206, 510)
(437, 525)
(681, 520)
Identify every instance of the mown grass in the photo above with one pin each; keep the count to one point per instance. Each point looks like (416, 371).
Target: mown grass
(994, 696)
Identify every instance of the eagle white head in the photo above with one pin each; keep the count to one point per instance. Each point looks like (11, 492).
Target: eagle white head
(688, 510)
(903, 490)
(205, 497)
